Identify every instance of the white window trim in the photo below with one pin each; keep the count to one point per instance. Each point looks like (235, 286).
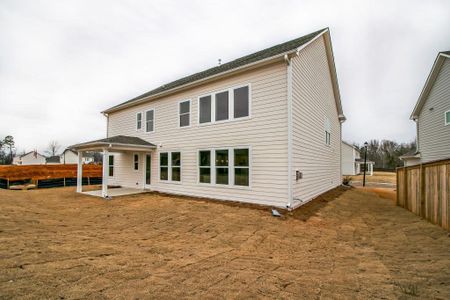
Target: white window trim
(445, 118)
(190, 113)
(154, 123)
(142, 119)
(109, 165)
(169, 166)
(231, 166)
(231, 117)
(138, 162)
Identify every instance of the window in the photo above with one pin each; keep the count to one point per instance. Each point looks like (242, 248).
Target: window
(111, 165)
(185, 113)
(229, 167)
(447, 117)
(241, 103)
(170, 166)
(204, 158)
(222, 104)
(222, 166)
(176, 166)
(164, 166)
(241, 167)
(138, 121)
(327, 132)
(205, 109)
(150, 120)
(136, 162)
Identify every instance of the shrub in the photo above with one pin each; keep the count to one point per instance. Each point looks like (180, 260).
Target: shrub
(347, 180)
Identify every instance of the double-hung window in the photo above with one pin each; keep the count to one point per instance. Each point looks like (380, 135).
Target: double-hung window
(138, 121)
(204, 158)
(205, 109)
(184, 110)
(150, 120)
(111, 166)
(226, 166)
(241, 167)
(230, 104)
(222, 166)
(447, 118)
(170, 166)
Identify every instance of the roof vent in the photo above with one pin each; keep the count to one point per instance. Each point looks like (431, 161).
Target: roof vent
(220, 61)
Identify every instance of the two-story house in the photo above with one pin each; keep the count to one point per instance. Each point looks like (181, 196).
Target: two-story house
(264, 128)
(432, 115)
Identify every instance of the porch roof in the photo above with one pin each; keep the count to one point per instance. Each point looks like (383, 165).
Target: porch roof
(115, 143)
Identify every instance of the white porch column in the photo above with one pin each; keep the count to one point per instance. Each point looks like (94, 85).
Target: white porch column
(80, 172)
(105, 165)
(371, 169)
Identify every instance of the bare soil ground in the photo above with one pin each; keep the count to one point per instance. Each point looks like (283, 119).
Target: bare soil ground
(349, 243)
(378, 177)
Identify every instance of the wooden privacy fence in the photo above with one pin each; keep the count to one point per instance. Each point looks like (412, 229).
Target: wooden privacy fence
(48, 175)
(425, 190)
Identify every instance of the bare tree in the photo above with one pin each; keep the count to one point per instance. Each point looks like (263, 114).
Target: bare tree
(9, 141)
(53, 148)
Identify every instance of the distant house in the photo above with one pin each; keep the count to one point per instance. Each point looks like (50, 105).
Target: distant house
(352, 163)
(71, 157)
(30, 158)
(53, 160)
(432, 115)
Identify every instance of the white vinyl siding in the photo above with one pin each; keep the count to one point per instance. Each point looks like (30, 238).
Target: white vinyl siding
(433, 134)
(264, 130)
(316, 147)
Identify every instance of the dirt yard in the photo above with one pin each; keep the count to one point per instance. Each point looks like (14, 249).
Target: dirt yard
(347, 244)
(377, 177)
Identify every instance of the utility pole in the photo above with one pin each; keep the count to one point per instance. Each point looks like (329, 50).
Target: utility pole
(365, 163)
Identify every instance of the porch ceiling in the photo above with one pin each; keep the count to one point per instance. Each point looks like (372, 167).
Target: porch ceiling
(115, 143)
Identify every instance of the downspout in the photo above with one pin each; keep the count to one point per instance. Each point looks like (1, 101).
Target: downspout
(289, 111)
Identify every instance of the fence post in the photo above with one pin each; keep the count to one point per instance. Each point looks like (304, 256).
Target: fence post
(89, 180)
(64, 181)
(7, 183)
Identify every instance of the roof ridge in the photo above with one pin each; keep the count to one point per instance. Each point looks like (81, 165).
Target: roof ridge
(238, 62)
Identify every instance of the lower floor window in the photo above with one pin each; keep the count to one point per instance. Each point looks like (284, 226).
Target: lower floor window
(111, 165)
(224, 166)
(170, 166)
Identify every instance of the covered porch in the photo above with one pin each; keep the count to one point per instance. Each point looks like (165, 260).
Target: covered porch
(127, 146)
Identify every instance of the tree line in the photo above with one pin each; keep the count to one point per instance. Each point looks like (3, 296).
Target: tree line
(386, 153)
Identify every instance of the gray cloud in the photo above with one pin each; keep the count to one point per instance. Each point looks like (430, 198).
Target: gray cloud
(62, 62)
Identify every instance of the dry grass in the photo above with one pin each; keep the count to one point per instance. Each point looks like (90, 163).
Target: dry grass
(347, 244)
(378, 177)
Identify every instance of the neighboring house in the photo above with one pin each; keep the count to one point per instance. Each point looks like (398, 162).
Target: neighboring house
(432, 115)
(30, 158)
(264, 128)
(352, 163)
(71, 157)
(53, 160)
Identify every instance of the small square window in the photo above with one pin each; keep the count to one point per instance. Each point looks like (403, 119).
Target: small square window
(447, 117)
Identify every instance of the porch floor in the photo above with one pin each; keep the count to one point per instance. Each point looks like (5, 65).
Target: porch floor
(113, 192)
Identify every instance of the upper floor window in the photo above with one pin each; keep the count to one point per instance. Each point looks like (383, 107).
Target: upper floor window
(447, 117)
(184, 110)
(138, 121)
(150, 120)
(231, 104)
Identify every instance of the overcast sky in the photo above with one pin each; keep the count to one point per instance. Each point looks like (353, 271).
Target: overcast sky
(62, 62)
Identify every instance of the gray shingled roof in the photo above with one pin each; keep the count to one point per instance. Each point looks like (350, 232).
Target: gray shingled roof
(446, 52)
(118, 139)
(245, 60)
